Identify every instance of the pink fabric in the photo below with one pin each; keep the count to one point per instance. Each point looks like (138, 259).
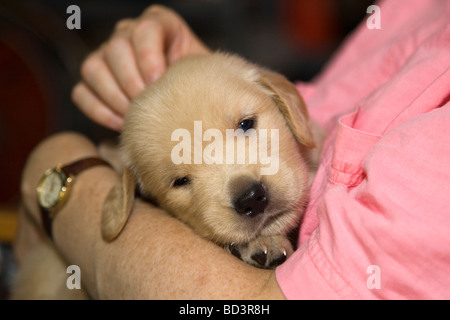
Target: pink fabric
(380, 202)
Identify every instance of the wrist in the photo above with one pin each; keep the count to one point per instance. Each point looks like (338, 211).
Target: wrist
(59, 148)
(54, 188)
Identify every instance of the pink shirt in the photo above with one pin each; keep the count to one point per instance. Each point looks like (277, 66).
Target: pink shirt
(378, 222)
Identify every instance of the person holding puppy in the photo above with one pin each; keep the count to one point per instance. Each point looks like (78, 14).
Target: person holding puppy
(377, 223)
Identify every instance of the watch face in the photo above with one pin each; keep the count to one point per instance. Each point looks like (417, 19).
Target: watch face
(49, 189)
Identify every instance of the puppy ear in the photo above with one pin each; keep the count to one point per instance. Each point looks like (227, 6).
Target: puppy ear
(290, 104)
(117, 206)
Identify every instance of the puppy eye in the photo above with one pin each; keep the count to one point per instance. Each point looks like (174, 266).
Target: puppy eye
(181, 182)
(247, 124)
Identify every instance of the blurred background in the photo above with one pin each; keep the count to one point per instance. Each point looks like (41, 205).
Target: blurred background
(40, 60)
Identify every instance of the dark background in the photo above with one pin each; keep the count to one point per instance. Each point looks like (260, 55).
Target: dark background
(40, 60)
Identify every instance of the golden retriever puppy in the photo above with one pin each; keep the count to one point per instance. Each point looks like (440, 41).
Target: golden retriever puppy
(226, 147)
(223, 145)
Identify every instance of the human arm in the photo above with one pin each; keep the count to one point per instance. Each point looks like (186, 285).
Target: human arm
(155, 257)
(137, 53)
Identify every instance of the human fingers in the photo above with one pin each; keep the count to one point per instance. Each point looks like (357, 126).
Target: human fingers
(98, 77)
(148, 42)
(94, 108)
(120, 57)
(160, 36)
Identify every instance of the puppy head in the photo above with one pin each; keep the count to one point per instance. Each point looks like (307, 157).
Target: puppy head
(181, 147)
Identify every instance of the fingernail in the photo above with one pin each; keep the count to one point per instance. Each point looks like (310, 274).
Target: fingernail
(116, 123)
(153, 77)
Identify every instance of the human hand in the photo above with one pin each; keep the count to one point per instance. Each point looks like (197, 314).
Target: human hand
(137, 53)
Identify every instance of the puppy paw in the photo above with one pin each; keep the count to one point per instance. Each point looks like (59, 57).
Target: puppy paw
(263, 252)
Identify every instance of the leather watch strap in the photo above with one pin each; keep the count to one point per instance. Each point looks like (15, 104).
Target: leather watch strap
(76, 167)
(47, 222)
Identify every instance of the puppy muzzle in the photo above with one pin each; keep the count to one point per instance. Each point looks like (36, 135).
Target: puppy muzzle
(252, 201)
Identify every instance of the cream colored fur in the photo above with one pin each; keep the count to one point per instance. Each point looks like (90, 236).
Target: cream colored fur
(220, 90)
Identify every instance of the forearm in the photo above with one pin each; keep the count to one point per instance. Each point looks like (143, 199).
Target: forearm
(156, 256)
(57, 149)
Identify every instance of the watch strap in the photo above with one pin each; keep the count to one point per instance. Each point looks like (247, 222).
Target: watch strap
(71, 170)
(47, 222)
(78, 166)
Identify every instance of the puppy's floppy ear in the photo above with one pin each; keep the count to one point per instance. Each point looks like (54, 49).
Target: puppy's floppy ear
(117, 206)
(291, 105)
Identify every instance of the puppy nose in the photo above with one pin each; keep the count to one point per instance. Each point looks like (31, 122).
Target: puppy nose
(252, 201)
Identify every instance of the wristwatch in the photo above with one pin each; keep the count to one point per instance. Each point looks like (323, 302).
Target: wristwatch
(54, 187)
